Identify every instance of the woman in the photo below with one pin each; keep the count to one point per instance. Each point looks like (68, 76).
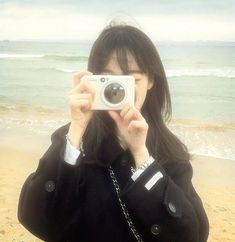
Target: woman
(113, 176)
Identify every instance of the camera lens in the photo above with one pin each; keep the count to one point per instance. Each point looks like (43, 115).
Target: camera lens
(114, 93)
(102, 79)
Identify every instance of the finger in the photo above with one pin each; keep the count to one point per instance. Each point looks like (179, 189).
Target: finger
(81, 105)
(84, 87)
(81, 96)
(78, 96)
(77, 77)
(115, 116)
(138, 114)
(137, 126)
(125, 109)
(133, 113)
(130, 115)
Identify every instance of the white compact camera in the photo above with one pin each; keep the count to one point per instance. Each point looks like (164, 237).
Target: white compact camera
(112, 91)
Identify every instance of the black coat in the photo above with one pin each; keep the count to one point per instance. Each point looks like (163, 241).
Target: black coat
(61, 202)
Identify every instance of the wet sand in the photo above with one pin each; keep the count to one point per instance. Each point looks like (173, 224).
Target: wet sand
(213, 179)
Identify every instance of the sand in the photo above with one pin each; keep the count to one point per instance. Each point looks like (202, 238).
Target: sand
(213, 179)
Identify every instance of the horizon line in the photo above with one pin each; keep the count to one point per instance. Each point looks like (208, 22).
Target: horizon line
(90, 40)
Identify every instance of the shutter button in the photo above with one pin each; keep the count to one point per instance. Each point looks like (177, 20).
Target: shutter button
(50, 186)
(155, 229)
(172, 207)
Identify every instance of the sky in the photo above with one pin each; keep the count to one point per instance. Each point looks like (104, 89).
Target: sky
(162, 20)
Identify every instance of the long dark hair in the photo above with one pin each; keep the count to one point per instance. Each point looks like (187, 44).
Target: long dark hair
(161, 142)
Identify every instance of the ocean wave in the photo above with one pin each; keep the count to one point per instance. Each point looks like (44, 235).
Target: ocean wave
(21, 56)
(201, 72)
(66, 57)
(43, 56)
(28, 109)
(196, 124)
(207, 139)
(66, 70)
(54, 69)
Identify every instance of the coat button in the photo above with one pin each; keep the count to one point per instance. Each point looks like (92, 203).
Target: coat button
(155, 229)
(50, 186)
(172, 207)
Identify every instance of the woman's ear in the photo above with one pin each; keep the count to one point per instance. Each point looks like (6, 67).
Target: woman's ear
(150, 84)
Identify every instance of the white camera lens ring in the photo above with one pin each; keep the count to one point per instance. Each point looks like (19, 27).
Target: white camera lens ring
(104, 99)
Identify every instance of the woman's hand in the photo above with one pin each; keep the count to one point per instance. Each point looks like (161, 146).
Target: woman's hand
(80, 103)
(133, 131)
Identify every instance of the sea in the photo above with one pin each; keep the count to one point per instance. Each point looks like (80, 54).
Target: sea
(36, 77)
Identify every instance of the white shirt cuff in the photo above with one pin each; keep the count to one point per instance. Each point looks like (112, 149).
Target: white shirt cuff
(71, 153)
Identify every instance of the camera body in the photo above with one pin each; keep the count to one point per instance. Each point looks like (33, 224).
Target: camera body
(112, 91)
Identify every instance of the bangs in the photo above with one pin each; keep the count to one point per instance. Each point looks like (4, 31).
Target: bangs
(122, 59)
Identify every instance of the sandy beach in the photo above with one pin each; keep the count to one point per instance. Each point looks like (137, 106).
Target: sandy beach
(213, 179)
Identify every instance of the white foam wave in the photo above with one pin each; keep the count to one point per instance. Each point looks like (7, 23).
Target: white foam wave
(201, 72)
(209, 142)
(20, 56)
(66, 70)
